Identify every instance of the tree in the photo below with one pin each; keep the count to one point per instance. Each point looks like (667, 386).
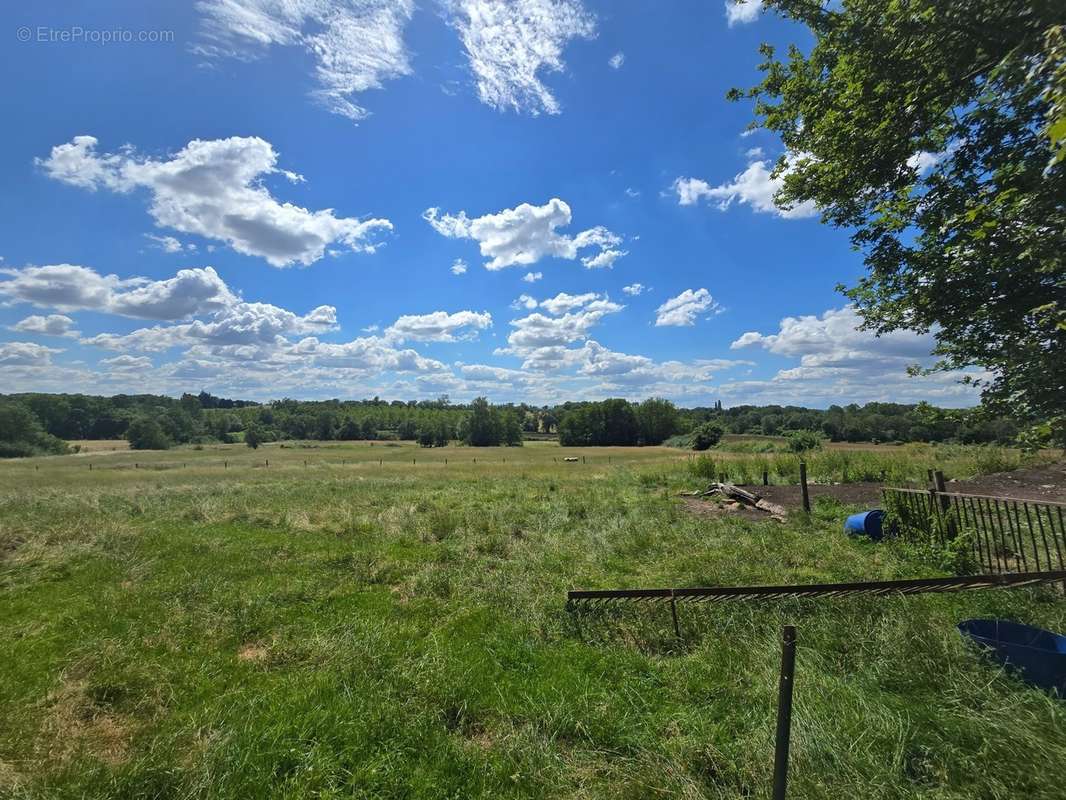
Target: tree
(935, 130)
(21, 434)
(706, 436)
(144, 433)
(253, 437)
(657, 420)
(483, 425)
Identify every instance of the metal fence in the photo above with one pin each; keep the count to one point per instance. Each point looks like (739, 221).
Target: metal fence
(1001, 534)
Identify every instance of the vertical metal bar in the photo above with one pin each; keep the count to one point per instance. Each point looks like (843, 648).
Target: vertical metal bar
(1029, 536)
(985, 563)
(803, 483)
(784, 710)
(986, 520)
(1019, 551)
(1040, 525)
(673, 613)
(1062, 532)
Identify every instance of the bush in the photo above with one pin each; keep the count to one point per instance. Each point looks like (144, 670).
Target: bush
(802, 441)
(144, 433)
(706, 436)
(21, 434)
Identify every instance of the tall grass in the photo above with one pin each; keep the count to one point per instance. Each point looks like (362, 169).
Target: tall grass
(401, 631)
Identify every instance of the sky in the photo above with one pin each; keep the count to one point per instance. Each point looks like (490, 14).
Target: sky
(536, 201)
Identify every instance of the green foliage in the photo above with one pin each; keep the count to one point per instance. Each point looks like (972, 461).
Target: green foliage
(611, 422)
(144, 433)
(253, 437)
(935, 131)
(802, 441)
(657, 420)
(21, 434)
(706, 436)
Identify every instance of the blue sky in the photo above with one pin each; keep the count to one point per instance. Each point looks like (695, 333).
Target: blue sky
(540, 201)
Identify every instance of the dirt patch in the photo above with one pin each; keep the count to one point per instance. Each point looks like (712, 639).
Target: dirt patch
(254, 653)
(1038, 483)
(75, 722)
(709, 507)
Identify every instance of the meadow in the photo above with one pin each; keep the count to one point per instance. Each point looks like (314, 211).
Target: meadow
(389, 622)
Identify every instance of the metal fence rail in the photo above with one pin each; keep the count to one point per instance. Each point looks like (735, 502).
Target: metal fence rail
(886, 588)
(1002, 534)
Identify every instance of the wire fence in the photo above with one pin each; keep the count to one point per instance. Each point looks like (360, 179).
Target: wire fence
(999, 534)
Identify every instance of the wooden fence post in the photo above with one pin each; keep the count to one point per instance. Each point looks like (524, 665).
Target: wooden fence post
(765, 477)
(803, 485)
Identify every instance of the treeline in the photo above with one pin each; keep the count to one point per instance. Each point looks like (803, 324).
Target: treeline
(873, 422)
(41, 423)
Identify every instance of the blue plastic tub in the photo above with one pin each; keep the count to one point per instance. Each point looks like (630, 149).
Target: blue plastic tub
(1039, 655)
(868, 523)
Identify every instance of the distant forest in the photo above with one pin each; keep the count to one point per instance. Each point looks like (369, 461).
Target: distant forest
(33, 424)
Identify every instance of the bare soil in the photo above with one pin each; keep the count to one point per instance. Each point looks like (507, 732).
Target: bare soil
(1039, 483)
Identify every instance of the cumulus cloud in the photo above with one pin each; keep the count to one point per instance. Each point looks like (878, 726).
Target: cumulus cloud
(70, 287)
(26, 354)
(523, 235)
(458, 267)
(617, 60)
(239, 324)
(532, 277)
(837, 359)
(541, 339)
(634, 289)
(439, 326)
(741, 12)
(52, 325)
(509, 43)
(215, 189)
(755, 187)
(127, 363)
(683, 309)
(356, 45)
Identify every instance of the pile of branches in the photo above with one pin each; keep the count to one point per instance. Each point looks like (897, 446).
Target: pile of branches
(732, 497)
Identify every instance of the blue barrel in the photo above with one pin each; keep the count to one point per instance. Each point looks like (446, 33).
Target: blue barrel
(1039, 655)
(868, 523)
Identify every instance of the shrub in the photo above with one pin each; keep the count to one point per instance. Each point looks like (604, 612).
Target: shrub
(802, 441)
(706, 436)
(144, 433)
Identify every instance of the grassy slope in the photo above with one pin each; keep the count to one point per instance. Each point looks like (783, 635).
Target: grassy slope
(350, 630)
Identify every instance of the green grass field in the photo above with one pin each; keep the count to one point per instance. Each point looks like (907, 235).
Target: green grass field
(197, 624)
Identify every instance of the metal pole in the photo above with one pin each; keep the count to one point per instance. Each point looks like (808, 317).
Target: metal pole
(803, 484)
(784, 710)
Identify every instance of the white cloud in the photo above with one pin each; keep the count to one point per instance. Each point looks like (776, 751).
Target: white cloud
(741, 12)
(617, 60)
(755, 186)
(532, 277)
(26, 354)
(508, 42)
(836, 360)
(564, 302)
(631, 192)
(683, 309)
(439, 326)
(525, 234)
(754, 153)
(458, 267)
(240, 324)
(127, 363)
(922, 161)
(52, 325)
(215, 189)
(356, 45)
(169, 244)
(634, 289)
(69, 287)
(524, 301)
